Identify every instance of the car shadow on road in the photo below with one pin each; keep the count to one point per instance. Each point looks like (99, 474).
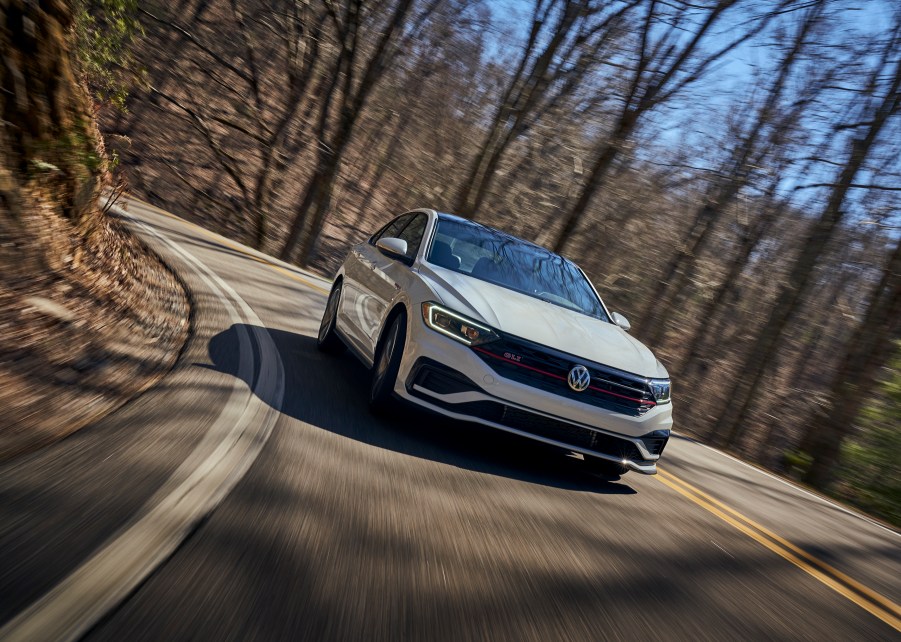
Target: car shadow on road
(331, 393)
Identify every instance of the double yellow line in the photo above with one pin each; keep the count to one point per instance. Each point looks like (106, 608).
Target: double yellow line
(847, 587)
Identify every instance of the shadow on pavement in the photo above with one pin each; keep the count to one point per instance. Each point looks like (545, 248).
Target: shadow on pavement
(331, 393)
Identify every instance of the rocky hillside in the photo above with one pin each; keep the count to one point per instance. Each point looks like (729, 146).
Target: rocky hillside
(88, 317)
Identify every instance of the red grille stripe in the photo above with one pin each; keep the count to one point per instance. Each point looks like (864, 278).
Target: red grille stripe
(521, 365)
(556, 376)
(641, 401)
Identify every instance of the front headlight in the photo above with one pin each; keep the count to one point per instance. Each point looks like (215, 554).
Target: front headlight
(661, 390)
(456, 326)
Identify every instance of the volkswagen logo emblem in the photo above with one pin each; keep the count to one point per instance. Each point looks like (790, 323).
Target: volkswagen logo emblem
(579, 378)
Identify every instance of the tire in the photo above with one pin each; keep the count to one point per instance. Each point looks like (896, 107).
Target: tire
(603, 468)
(387, 365)
(328, 340)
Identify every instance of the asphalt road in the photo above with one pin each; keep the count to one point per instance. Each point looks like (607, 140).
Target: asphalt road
(251, 495)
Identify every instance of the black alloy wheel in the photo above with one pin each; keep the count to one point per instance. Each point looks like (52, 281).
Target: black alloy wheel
(387, 365)
(328, 340)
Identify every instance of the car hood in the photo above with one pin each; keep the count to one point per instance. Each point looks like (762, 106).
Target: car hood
(544, 323)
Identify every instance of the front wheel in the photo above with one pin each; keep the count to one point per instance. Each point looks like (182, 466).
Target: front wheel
(328, 340)
(387, 365)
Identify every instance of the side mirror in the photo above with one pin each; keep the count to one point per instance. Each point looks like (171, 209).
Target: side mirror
(393, 248)
(621, 321)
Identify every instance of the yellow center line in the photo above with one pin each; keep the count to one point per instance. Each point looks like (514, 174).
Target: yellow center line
(788, 551)
(857, 586)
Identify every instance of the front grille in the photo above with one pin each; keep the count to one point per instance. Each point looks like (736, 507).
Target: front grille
(542, 426)
(550, 428)
(547, 369)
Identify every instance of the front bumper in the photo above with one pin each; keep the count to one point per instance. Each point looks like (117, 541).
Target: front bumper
(634, 442)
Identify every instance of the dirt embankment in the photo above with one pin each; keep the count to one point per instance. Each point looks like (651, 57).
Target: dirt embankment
(98, 324)
(88, 317)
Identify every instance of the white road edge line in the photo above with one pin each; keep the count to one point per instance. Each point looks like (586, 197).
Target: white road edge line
(793, 486)
(253, 252)
(102, 582)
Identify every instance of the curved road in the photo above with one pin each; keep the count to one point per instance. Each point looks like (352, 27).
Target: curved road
(251, 495)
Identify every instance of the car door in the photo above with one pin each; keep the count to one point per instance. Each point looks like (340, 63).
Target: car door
(357, 307)
(388, 276)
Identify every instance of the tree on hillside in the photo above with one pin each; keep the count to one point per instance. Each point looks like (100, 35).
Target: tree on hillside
(867, 352)
(103, 31)
(869, 474)
(676, 46)
(280, 42)
(403, 147)
(358, 68)
(566, 42)
(47, 135)
(813, 341)
(880, 103)
(763, 134)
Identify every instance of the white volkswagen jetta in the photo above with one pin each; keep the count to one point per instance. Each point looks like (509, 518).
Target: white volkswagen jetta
(478, 325)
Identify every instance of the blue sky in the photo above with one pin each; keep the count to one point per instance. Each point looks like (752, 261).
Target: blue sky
(699, 115)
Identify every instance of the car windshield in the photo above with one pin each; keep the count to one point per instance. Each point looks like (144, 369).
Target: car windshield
(489, 255)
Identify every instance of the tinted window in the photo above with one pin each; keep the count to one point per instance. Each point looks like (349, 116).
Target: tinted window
(495, 257)
(412, 234)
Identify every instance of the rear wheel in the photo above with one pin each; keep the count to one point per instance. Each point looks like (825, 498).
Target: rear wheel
(328, 340)
(387, 365)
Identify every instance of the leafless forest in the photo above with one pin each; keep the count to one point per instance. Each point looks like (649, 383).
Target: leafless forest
(726, 171)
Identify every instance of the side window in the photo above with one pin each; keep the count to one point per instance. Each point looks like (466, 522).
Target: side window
(392, 229)
(413, 233)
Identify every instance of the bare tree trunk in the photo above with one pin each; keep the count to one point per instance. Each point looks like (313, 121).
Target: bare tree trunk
(867, 351)
(528, 94)
(321, 197)
(680, 269)
(475, 176)
(324, 151)
(811, 336)
(300, 62)
(699, 341)
(314, 208)
(763, 351)
(383, 163)
(663, 69)
(596, 177)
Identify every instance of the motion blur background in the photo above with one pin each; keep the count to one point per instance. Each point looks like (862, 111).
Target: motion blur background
(726, 171)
